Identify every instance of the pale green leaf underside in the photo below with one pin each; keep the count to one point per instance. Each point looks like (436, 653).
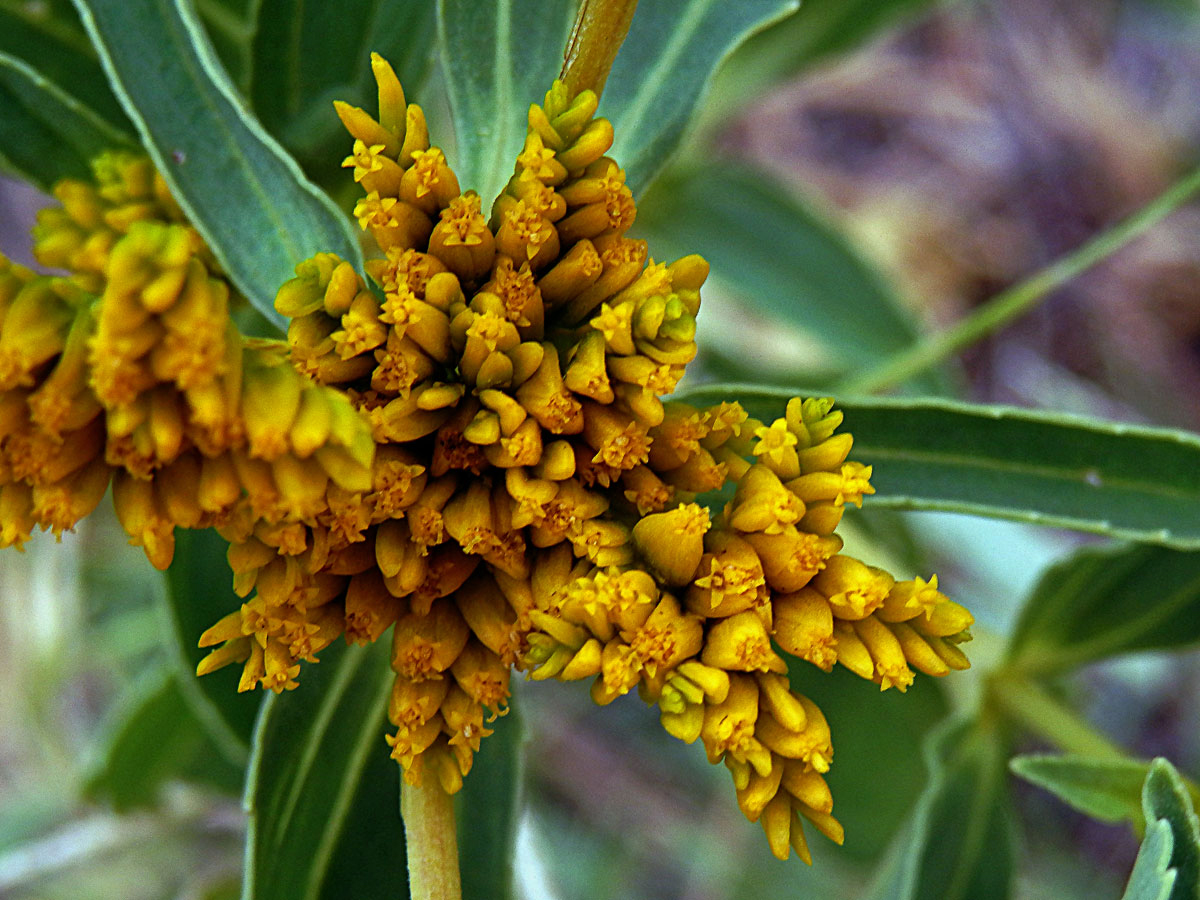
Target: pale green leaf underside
(322, 793)
(46, 133)
(1126, 481)
(1165, 800)
(1105, 789)
(501, 57)
(237, 185)
(1152, 877)
(664, 69)
(498, 58)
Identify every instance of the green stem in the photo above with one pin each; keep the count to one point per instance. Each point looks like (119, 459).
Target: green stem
(1011, 303)
(1030, 706)
(432, 841)
(600, 28)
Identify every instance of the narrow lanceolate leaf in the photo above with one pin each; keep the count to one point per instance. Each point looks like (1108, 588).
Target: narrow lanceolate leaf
(1152, 877)
(241, 190)
(1126, 481)
(958, 844)
(155, 738)
(51, 40)
(46, 134)
(199, 594)
(777, 258)
(304, 59)
(1106, 789)
(664, 69)
(488, 809)
(322, 793)
(497, 59)
(1105, 601)
(1168, 865)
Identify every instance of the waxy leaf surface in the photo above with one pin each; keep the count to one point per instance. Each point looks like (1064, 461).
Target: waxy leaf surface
(500, 57)
(1168, 864)
(236, 184)
(663, 72)
(1106, 789)
(497, 59)
(1126, 481)
(322, 792)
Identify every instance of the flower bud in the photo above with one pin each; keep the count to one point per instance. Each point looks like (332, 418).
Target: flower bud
(672, 542)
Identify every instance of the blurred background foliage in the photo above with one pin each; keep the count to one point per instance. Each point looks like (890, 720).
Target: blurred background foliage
(860, 173)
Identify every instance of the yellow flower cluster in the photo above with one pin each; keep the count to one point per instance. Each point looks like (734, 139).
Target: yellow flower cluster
(473, 451)
(130, 372)
(693, 623)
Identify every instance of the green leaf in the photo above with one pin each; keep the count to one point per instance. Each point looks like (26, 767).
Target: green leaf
(240, 189)
(199, 593)
(1165, 801)
(229, 25)
(304, 58)
(1152, 877)
(154, 738)
(858, 714)
(488, 809)
(775, 257)
(1108, 600)
(497, 59)
(45, 133)
(958, 844)
(663, 71)
(1126, 481)
(322, 793)
(1105, 789)
(52, 41)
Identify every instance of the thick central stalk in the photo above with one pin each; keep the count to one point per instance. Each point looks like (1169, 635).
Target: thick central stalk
(432, 839)
(599, 31)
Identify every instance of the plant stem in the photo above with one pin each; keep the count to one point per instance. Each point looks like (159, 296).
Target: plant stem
(1030, 706)
(599, 30)
(1019, 298)
(432, 840)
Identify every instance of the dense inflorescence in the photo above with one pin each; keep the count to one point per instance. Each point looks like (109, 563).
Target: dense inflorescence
(470, 448)
(129, 371)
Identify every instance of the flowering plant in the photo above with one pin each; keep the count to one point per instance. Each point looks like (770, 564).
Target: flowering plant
(454, 444)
